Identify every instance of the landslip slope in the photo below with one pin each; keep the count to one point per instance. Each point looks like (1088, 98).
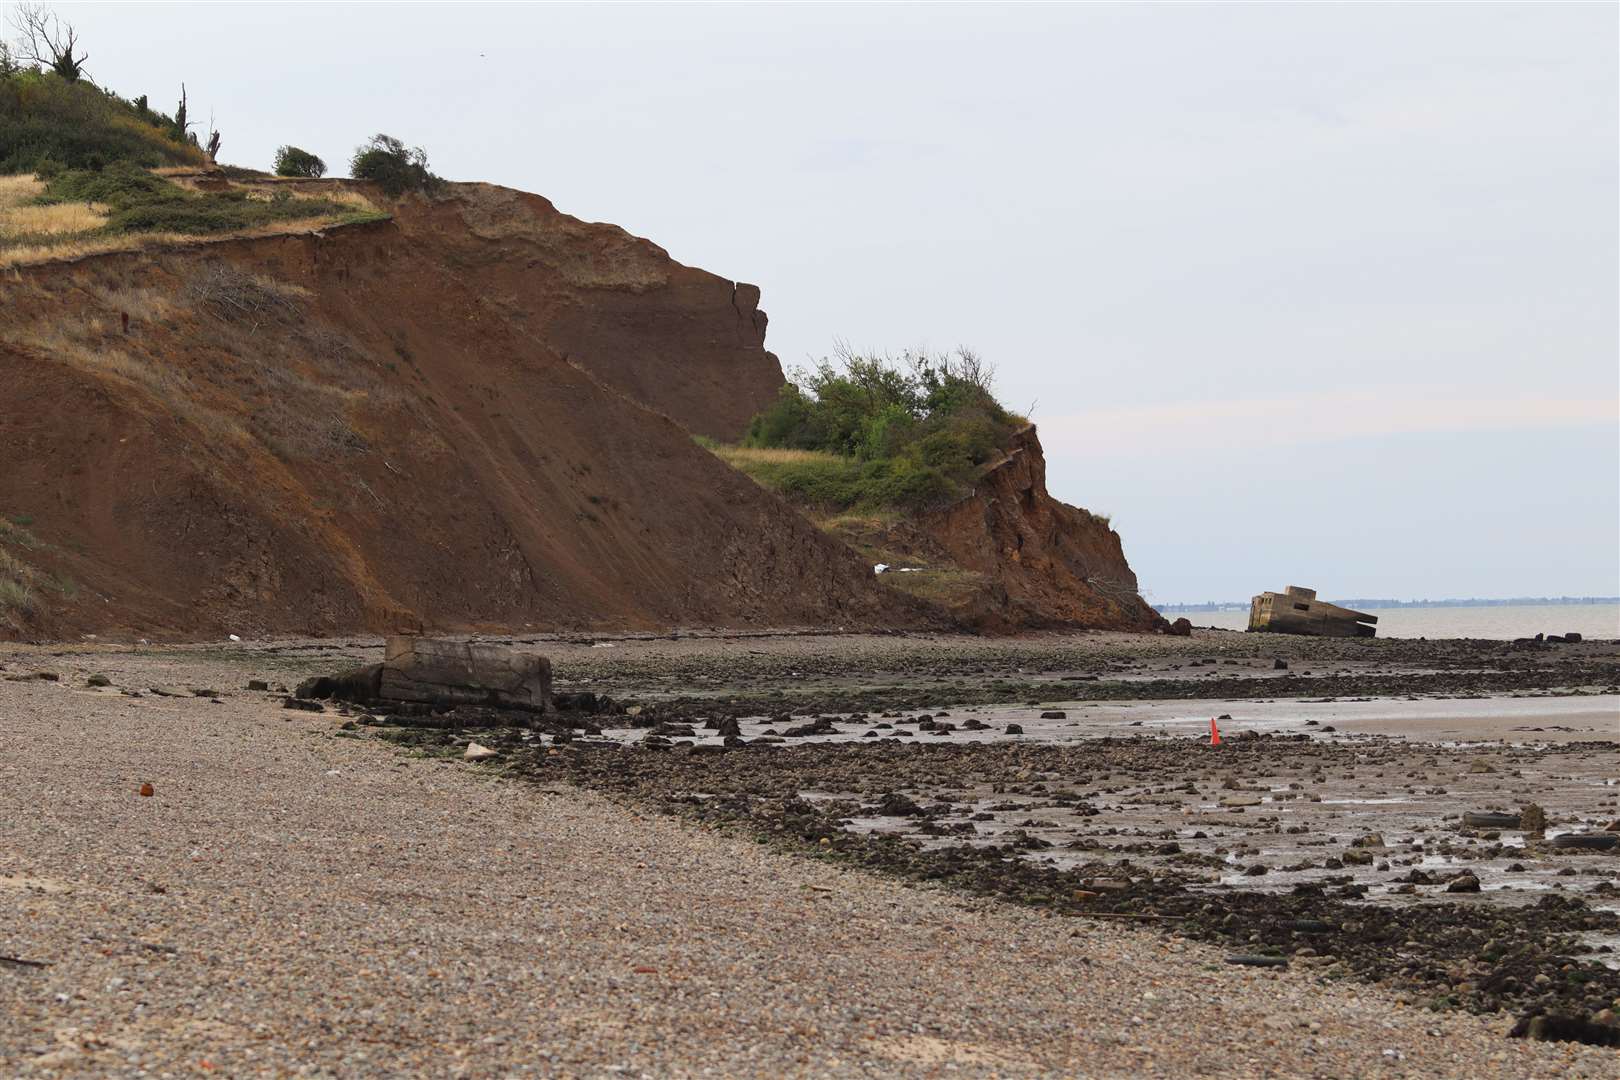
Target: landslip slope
(476, 415)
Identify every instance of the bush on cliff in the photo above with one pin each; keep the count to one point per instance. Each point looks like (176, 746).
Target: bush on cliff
(393, 166)
(293, 161)
(872, 433)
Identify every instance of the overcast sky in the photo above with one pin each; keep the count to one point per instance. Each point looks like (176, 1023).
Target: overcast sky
(1318, 295)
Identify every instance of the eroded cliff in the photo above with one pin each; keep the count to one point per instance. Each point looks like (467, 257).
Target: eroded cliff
(473, 416)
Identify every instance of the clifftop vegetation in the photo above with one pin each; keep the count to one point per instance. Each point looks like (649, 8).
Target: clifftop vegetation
(873, 433)
(83, 170)
(53, 116)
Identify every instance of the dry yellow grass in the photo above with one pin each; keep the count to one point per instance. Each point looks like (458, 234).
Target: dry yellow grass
(736, 455)
(65, 232)
(18, 188)
(19, 220)
(68, 251)
(60, 219)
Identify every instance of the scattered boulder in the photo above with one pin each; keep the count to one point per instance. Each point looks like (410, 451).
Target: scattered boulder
(98, 680)
(1562, 1027)
(478, 752)
(1463, 883)
(1182, 627)
(821, 725)
(895, 804)
(1054, 714)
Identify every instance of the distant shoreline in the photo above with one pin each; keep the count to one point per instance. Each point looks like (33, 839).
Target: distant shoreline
(1363, 603)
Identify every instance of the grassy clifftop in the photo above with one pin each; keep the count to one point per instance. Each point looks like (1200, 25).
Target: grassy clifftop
(82, 211)
(83, 170)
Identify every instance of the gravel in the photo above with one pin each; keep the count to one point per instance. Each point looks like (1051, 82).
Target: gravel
(289, 902)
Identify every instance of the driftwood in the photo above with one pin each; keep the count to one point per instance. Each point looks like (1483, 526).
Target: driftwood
(436, 672)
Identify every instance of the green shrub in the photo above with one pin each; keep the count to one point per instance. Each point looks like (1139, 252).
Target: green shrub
(292, 161)
(907, 434)
(394, 167)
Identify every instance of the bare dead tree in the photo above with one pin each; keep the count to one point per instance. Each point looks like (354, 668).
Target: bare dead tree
(211, 147)
(44, 39)
(181, 124)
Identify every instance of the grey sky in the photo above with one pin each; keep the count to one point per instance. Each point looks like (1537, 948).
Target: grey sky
(1310, 294)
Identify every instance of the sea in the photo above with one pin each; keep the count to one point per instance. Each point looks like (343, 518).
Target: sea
(1502, 622)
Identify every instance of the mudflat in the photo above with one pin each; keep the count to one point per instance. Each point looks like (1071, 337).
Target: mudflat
(338, 893)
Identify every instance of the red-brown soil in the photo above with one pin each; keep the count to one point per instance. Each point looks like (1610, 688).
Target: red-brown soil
(1048, 563)
(478, 415)
(424, 422)
(1014, 557)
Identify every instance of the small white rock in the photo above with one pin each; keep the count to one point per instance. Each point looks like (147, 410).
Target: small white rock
(479, 752)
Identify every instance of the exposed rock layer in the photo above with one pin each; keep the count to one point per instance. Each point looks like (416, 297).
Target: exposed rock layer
(1051, 564)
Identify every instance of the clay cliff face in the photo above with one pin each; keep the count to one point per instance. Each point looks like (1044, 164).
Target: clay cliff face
(677, 339)
(439, 421)
(1046, 563)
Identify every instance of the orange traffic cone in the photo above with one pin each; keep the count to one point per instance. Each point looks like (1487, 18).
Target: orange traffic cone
(1214, 733)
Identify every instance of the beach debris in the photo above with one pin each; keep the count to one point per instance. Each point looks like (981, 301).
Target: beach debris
(1214, 733)
(1258, 961)
(17, 961)
(1297, 611)
(1585, 841)
(147, 791)
(1489, 820)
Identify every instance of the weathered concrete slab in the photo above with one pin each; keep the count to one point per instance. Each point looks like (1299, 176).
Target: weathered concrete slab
(1297, 611)
(435, 671)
